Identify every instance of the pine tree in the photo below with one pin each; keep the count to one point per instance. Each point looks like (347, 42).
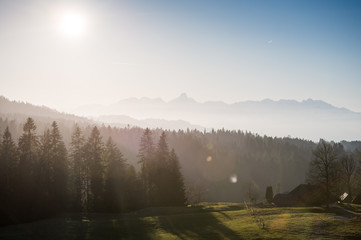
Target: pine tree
(146, 149)
(146, 155)
(53, 171)
(94, 162)
(28, 149)
(46, 173)
(79, 172)
(115, 178)
(8, 163)
(60, 174)
(133, 189)
(269, 194)
(29, 171)
(162, 149)
(177, 189)
(160, 174)
(8, 178)
(168, 182)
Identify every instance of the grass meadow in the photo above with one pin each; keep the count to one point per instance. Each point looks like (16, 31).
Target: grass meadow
(203, 221)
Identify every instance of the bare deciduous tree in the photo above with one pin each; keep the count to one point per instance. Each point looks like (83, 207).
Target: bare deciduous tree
(324, 167)
(357, 156)
(348, 164)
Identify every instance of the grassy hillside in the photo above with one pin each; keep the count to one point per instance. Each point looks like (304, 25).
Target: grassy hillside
(205, 221)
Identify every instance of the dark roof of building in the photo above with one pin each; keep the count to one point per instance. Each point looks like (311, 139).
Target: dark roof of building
(304, 189)
(302, 195)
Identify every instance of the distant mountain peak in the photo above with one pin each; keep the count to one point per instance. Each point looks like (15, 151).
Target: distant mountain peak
(267, 100)
(319, 104)
(183, 98)
(183, 95)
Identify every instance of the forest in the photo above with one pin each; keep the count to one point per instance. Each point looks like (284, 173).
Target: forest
(93, 168)
(41, 178)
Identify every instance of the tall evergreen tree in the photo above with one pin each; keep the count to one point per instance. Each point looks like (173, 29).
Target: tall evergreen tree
(8, 178)
(28, 149)
(29, 170)
(168, 182)
(94, 162)
(146, 155)
(146, 149)
(60, 160)
(269, 194)
(115, 178)
(162, 149)
(46, 173)
(8, 163)
(177, 189)
(79, 171)
(53, 171)
(133, 189)
(160, 174)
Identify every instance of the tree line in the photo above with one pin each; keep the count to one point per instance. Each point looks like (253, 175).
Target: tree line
(40, 177)
(98, 175)
(208, 158)
(257, 161)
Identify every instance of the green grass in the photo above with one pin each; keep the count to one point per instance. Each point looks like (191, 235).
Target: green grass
(204, 221)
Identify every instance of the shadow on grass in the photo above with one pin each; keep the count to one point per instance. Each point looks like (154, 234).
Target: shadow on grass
(185, 223)
(75, 226)
(111, 226)
(217, 207)
(203, 225)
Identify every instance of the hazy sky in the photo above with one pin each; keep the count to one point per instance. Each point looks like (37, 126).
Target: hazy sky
(212, 50)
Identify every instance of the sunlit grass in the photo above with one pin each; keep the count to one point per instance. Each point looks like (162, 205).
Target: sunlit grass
(203, 221)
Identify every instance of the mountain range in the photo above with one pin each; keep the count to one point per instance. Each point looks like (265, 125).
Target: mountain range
(308, 119)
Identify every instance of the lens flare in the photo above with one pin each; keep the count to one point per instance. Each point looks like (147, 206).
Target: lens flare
(233, 178)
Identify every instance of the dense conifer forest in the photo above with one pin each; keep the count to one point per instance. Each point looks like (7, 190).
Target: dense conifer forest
(90, 168)
(41, 178)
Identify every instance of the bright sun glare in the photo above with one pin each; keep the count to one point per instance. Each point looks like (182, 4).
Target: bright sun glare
(72, 24)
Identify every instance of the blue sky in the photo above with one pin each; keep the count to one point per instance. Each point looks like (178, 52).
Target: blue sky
(212, 50)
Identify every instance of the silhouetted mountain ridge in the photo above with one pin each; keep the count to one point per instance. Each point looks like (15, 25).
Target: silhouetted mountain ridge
(20, 110)
(309, 119)
(8, 107)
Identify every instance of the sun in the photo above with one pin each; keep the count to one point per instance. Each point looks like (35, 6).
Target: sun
(72, 23)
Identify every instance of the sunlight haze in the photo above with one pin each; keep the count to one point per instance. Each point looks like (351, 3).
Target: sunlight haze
(230, 51)
(180, 119)
(72, 23)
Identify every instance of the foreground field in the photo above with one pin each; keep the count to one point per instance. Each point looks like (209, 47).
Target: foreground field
(205, 221)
